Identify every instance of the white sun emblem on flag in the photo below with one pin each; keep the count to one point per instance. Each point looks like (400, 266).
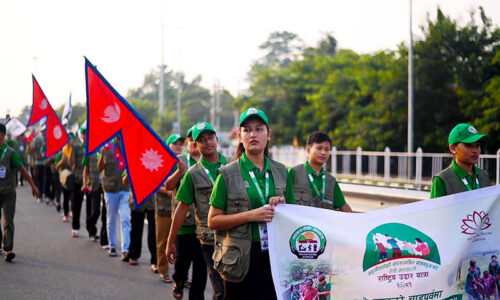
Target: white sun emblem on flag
(151, 160)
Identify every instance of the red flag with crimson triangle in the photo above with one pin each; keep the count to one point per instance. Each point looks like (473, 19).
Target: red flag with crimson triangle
(55, 135)
(148, 159)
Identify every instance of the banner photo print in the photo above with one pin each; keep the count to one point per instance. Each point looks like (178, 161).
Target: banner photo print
(433, 249)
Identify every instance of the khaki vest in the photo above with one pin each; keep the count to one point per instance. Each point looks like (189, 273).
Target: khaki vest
(78, 170)
(148, 205)
(232, 247)
(454, 185)
(7, 184)
(189, 220)
(303, 192)
(202, 190)
(111, 177)
(94, 174)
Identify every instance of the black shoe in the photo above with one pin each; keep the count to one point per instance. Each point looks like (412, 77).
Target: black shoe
(125, 257)
(58, 207)
(112, 252)
(10, 256)
(177, 291)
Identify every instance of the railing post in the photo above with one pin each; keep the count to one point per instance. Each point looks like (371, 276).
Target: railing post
(387, 164)
(498, 166)
(358, 162)
(418, 168)
(333, 169)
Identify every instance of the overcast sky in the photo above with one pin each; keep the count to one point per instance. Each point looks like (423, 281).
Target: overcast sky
(216, 39)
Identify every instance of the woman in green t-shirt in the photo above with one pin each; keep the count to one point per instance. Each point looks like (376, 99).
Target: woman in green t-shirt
(242, 201)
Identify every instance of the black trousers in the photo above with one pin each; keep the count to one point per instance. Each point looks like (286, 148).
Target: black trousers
(104, 229)
(39, 181)
(76, 205)
(48, 182)
(136, 230)
(93, 210)
(57, 187)
(215, 278)
(258, 283)
(188, 250)
(67, 195)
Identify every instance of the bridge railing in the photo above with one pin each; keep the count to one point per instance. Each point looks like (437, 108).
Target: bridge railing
(385, 168)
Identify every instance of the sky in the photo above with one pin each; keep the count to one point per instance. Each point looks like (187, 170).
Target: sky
(218, 40)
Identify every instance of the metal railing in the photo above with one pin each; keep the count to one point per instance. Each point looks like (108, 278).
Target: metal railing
(386, 168)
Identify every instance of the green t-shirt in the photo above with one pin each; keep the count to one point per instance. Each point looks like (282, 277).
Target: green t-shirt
(15, 158)
(438, 188)
(338, 196)
(185, 193)
(324, 288)
(191, 161)
(218, 198)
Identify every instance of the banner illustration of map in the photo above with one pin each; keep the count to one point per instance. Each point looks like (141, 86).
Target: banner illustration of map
(421, 250)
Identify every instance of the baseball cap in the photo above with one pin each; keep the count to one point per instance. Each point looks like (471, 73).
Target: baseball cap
(252, 111)
(174, 138)
(200, 127)
(190, 130)
(466, 133)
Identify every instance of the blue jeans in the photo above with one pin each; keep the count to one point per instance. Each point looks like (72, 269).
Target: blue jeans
(117, 203)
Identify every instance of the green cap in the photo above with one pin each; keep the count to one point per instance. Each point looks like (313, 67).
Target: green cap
(252, 111)
(466, 133)
(174, 138)
(190, 130)
(200, 127)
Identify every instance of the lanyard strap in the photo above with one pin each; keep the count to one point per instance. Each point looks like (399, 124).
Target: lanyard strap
(209, 176)
(189, 160)
(323, 188)
(3, 153)
(467, 185)
(262, 197)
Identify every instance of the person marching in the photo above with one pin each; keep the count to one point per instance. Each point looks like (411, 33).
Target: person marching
(77, 197)
(116, 196)
(163, 209)
(239, 210)
(10, 161)
(186, 244)
(147, 210)
(64, 160)
(93, 189)
(462, 175)
(313, 186)
(195, 189)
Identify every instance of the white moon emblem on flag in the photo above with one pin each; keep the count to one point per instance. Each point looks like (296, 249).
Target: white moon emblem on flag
(57, 132)
(111, 113)
(44, 104)
(151, 160)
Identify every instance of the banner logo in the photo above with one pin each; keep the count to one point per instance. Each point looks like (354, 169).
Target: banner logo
(475, 222)
(307, 242)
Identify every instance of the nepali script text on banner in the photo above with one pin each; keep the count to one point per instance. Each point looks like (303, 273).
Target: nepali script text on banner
(420, 250)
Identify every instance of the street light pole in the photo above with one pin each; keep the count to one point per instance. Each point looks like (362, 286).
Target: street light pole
(410, 98)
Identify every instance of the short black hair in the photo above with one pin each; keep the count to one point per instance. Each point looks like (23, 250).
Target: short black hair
(318, 137)
(3, 129)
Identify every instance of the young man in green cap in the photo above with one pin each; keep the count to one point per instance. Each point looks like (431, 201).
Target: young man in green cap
(9, 162)
(462, 175)
(195, 189)
(163, 216)
(313, 186)
(187, 232)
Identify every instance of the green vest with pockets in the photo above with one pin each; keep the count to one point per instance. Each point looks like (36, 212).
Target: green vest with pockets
(163, 205)
(7, 184)
(111, 176)
(454, 185)
(94, 174)
(232, 247)
(202, 190)
(303, 192)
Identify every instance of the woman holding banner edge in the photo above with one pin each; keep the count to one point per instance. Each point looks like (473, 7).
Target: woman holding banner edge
(238, 218)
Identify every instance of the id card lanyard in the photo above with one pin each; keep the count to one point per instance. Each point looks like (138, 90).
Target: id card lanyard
(323, 188)
(264, 246)
(467, 185)
(188, 160)
(3, 153)
(210, 176)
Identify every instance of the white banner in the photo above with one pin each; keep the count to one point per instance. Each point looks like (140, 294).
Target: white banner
(421, 250)
(15, 127)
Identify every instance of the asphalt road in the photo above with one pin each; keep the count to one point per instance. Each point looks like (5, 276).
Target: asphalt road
(50, 264)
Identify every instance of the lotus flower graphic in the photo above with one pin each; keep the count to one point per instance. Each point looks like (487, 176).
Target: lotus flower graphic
(475, 222)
